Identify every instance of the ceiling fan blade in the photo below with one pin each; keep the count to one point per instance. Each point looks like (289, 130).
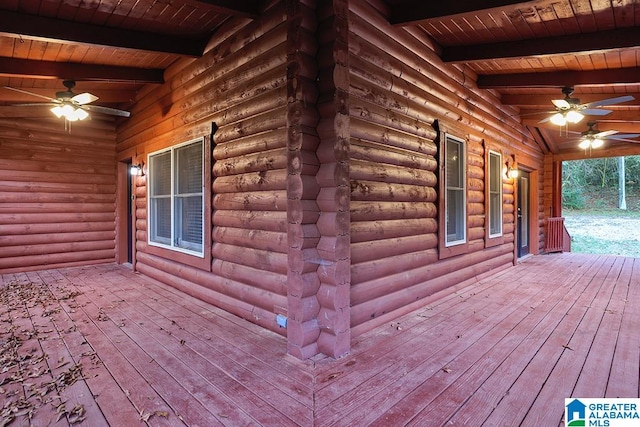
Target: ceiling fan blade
(623, 140)
(625, 136)
(610, 101)
(84, 98)
(595, 112)
(15, 89)
(37, 104)
(536, 113)
(561, 103)
(107, 110)
(605, 134)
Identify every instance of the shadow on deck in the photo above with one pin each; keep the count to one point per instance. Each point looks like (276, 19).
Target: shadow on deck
(101, 345)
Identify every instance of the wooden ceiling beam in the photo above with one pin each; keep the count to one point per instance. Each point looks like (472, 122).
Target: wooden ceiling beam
(608, 150)
(404, 13)
(558, 79)
(620, 38)
(48, 29)
(246, 8)
(542, 142)
(74, 71)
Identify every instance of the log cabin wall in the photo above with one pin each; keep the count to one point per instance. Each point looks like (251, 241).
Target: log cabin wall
(402, 98)
(57, 192)
(324, 170)
(240, 84)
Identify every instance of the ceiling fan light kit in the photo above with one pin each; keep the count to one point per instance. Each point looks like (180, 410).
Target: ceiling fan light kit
(591, 143)
(571, 116)
(69, 112)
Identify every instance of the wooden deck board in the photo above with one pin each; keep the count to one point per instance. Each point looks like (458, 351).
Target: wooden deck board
(518, 402)
(626, 359)
(224, 375)
(505, 350)
(542, 321)
(495, 364)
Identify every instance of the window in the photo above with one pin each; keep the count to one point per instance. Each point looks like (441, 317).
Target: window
(176, 198)
(455, 183)
(495, 194)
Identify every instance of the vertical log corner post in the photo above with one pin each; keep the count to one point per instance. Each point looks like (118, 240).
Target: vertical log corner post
(318, 191)
(334, 268)
(303, 282)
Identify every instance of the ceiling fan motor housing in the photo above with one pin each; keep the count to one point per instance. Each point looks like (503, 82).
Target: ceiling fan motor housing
(67, 94)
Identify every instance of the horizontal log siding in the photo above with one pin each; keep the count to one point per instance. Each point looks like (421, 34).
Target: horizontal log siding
(240, 84)
(398, 88)
(58, 194)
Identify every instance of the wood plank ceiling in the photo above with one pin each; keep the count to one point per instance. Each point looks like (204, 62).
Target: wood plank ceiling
(526, 50)
(530, 50)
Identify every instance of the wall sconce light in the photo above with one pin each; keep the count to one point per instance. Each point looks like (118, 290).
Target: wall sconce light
(136, 170)
(512, 170)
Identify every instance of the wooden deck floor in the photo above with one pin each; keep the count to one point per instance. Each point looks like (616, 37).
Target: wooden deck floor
(101, 345)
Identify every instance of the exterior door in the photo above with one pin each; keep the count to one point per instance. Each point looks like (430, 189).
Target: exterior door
(130, 210)
(523, 223)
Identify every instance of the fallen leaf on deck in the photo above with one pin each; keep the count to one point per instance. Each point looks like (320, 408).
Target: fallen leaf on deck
(447, 370)
(332, 376)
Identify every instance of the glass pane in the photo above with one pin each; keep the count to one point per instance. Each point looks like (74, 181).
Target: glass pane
(161, 220)
(454, 164)
(494, 172)
(189, 222)
(189, 169)
(455, 215)
(160, 174)
(495, 214)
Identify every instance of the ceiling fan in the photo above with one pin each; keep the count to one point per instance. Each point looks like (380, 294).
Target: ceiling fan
(569, 110)
(592, 138)
(70, 105)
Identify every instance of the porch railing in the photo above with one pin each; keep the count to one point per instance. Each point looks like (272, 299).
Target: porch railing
(558, 238)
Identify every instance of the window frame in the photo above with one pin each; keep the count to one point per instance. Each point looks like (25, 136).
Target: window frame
(490, 192)
(491, 239)
(448, 249)
(172, 244)
(462, 169)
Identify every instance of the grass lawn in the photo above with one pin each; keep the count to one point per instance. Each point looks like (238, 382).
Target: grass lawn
(602, 228)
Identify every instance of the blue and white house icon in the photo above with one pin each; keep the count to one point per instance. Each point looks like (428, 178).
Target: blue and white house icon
(575, 411)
